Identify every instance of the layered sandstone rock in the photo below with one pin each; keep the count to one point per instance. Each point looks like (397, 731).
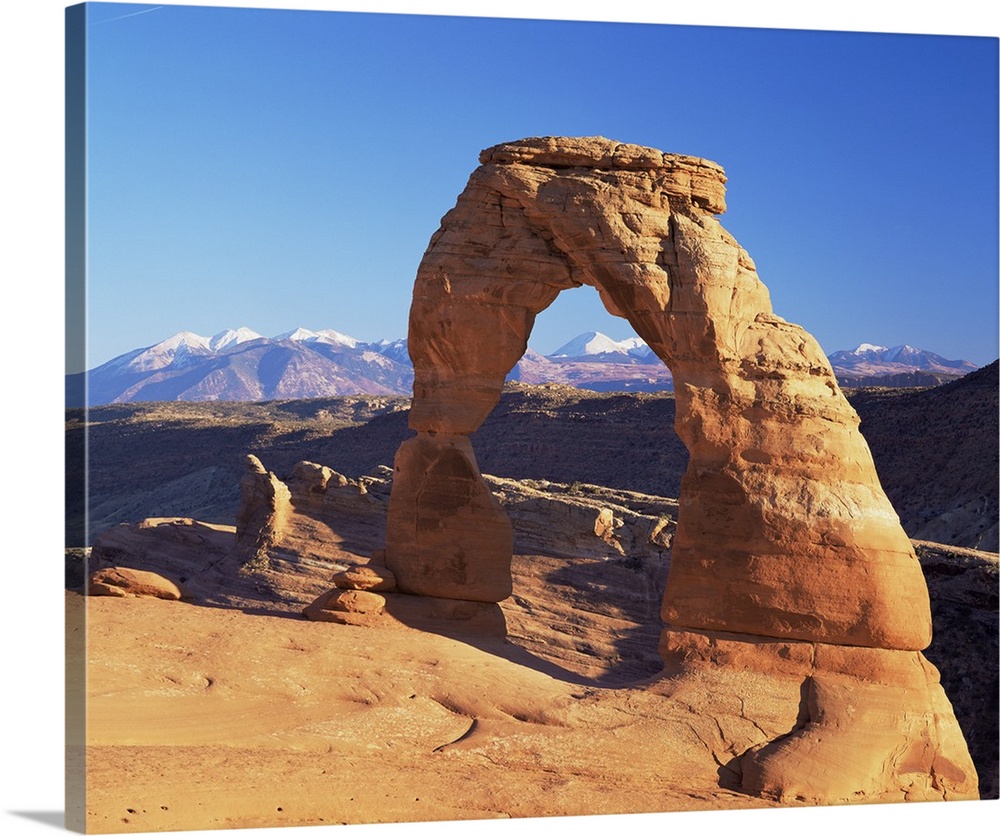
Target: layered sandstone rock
(820, 723)
(785, 542)
(339, 604)
(393, 610)
(197, 556)
(121, 582)
(447, 537)
(583, 520)
(371, 578)
(263, 514)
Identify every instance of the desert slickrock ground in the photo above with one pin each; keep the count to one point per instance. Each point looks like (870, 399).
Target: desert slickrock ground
(228, 704)
(203, 718)
(220, 710)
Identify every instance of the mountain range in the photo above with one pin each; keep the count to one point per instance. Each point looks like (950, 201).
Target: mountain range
(867, 364)
(242, 365)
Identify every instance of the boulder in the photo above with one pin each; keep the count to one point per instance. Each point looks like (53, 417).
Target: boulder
(371, 578)
(121, 582)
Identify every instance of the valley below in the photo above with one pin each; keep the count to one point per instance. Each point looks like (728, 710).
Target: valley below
(935, 449)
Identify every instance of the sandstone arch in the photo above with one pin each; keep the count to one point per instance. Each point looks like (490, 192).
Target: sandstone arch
(786, 548)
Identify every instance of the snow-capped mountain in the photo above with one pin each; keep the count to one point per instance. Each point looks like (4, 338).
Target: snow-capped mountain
(597, 362)
(240, 364)
(161, 355)
(905, 355)
(594, 344)
(870, 364)
(630, 363)
(233, 336)
(329, 336)
(182, 348)
(395, 350)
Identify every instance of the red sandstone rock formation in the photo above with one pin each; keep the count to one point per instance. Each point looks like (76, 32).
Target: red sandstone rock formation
(787, 553)
(264, 509)
(121, 582)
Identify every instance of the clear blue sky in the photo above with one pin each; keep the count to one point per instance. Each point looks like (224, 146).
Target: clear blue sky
(274, 168)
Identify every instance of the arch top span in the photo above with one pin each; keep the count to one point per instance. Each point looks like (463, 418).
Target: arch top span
(703, 181)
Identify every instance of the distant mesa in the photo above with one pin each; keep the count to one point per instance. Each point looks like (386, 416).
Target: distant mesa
(239, 364)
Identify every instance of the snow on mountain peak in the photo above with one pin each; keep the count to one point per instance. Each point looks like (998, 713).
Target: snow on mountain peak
(632, 343)
(232, 336)
(166, 352)
(594, 342)
(591, 342)
(901, 351)
(182, 346)
(881, 352)
(298, 335)
(336, 338)
(327, 336)
(187, 338)
(874, 360)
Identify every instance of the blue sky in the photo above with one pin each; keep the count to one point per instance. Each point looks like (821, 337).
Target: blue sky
(276, 168)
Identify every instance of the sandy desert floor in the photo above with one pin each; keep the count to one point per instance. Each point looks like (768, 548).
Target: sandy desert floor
(204, 717)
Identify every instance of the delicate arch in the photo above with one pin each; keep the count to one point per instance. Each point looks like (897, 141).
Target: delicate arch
(783, 530)
(794, 599)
